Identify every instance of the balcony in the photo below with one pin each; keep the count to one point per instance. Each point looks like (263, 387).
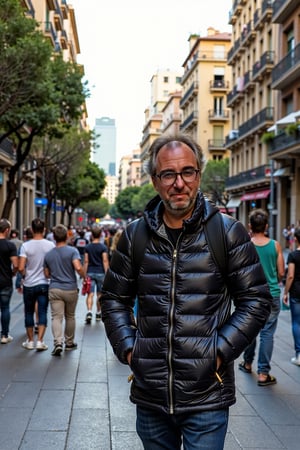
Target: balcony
(218, 115)
(7, 153)
(58, 18)
(283, 9)
(248, 34)
(51, 4)
(234, 96)
(63, 40)
(190, 121)
(29, 9)
(287, 71)
(284, 144)
(64, 8)
(263, 15)
(234, 51)
(249, 84)
(218, 86)
(264, 66)
(259, 122)
(190, 94)
(249, 178)
(214, 145)
(50, 33)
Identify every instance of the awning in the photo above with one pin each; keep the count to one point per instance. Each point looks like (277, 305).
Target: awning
(234, 202)
(283, 172)
(290, 118)
(256, 195)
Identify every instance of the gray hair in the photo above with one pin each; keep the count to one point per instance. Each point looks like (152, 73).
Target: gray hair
(170, 141)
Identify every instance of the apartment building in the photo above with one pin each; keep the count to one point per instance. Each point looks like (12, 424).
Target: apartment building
(56, 19)
(163, 84)
(205, 84)
(172, 114)
(111, 189)
(284, 148)
(252, 101)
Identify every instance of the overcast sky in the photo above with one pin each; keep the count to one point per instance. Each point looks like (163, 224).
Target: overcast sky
(123, 43)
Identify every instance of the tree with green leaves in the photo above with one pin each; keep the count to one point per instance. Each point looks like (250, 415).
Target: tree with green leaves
(213, 180)
(145, 194)
(44, 101)
(96, 208)
(124, 202)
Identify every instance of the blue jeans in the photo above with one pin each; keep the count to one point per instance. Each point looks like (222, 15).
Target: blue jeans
(266, 343)
(198, 430)
(31, 295)
(5, 296)
(97, 281)
(295, 316)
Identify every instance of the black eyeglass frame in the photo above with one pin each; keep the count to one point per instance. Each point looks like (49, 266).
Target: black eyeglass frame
(175, 175)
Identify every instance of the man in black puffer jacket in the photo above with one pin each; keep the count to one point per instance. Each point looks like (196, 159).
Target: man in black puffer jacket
(182, 347)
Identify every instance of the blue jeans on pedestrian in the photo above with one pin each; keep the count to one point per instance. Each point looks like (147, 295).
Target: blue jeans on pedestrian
(96, 281)
(266, 343)
(196, 430)
(39, 294)
(5, 296)
(295, 318)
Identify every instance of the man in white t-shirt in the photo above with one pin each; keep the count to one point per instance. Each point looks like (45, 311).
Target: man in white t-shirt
(35, 284)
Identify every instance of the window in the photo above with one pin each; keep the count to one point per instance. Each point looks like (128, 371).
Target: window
(166, 79)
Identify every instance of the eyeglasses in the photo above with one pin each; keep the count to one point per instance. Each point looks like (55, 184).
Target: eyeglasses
(169, 177)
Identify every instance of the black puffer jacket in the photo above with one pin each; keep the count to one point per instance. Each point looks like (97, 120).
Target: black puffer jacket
(185, 312)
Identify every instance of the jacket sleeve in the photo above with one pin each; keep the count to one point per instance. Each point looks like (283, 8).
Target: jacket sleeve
(117, 299)
(249, 291)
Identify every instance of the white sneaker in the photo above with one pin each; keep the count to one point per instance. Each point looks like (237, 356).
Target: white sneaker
(29, 345)
(40, 346)
(6, 339)
(296, 360)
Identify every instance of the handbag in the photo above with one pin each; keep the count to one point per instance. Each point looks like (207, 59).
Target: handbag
(86, 285)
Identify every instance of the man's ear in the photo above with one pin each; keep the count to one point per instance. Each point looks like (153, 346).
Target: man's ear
(154, 182)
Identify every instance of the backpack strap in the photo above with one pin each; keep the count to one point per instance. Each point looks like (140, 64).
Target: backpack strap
(215, 236)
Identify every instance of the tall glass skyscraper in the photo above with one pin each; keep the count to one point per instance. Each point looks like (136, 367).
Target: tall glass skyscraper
(105, 145)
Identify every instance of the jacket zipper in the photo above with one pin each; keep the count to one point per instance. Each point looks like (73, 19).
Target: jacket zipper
(170, 353)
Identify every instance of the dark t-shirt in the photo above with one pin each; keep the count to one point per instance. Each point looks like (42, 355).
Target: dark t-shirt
(294, 257)
(7, 250)
(95, 252)
(80, 243)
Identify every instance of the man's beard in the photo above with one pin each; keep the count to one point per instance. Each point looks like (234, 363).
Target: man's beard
(180, 209)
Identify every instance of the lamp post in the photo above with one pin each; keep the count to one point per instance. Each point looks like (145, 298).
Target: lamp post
(271, 204)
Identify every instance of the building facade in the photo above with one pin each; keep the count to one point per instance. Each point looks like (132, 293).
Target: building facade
(105, 152)
(205, 83)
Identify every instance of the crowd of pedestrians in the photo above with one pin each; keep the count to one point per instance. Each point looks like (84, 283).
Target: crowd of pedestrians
(47, 268)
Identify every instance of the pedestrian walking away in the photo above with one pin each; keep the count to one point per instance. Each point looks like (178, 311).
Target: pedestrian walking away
(182, 345)
(35, 284)
(96, 263)
(61, 265)
(271, 257)
(8, 268)
(291, 295)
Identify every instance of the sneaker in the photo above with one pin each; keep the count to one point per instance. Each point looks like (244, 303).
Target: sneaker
(6, 339)
(40, 346)
(71, 347)
(88, 317)
(98, 317)
(29, 345)
(296, 360)
(57, 350)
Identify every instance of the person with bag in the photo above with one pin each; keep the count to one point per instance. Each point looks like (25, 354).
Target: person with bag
(61, 265)
(272, 260)
(182, 346)
(96, 263)
(291, 295)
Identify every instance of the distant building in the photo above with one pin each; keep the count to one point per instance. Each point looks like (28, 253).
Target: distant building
(105, 145)
(111, 190)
